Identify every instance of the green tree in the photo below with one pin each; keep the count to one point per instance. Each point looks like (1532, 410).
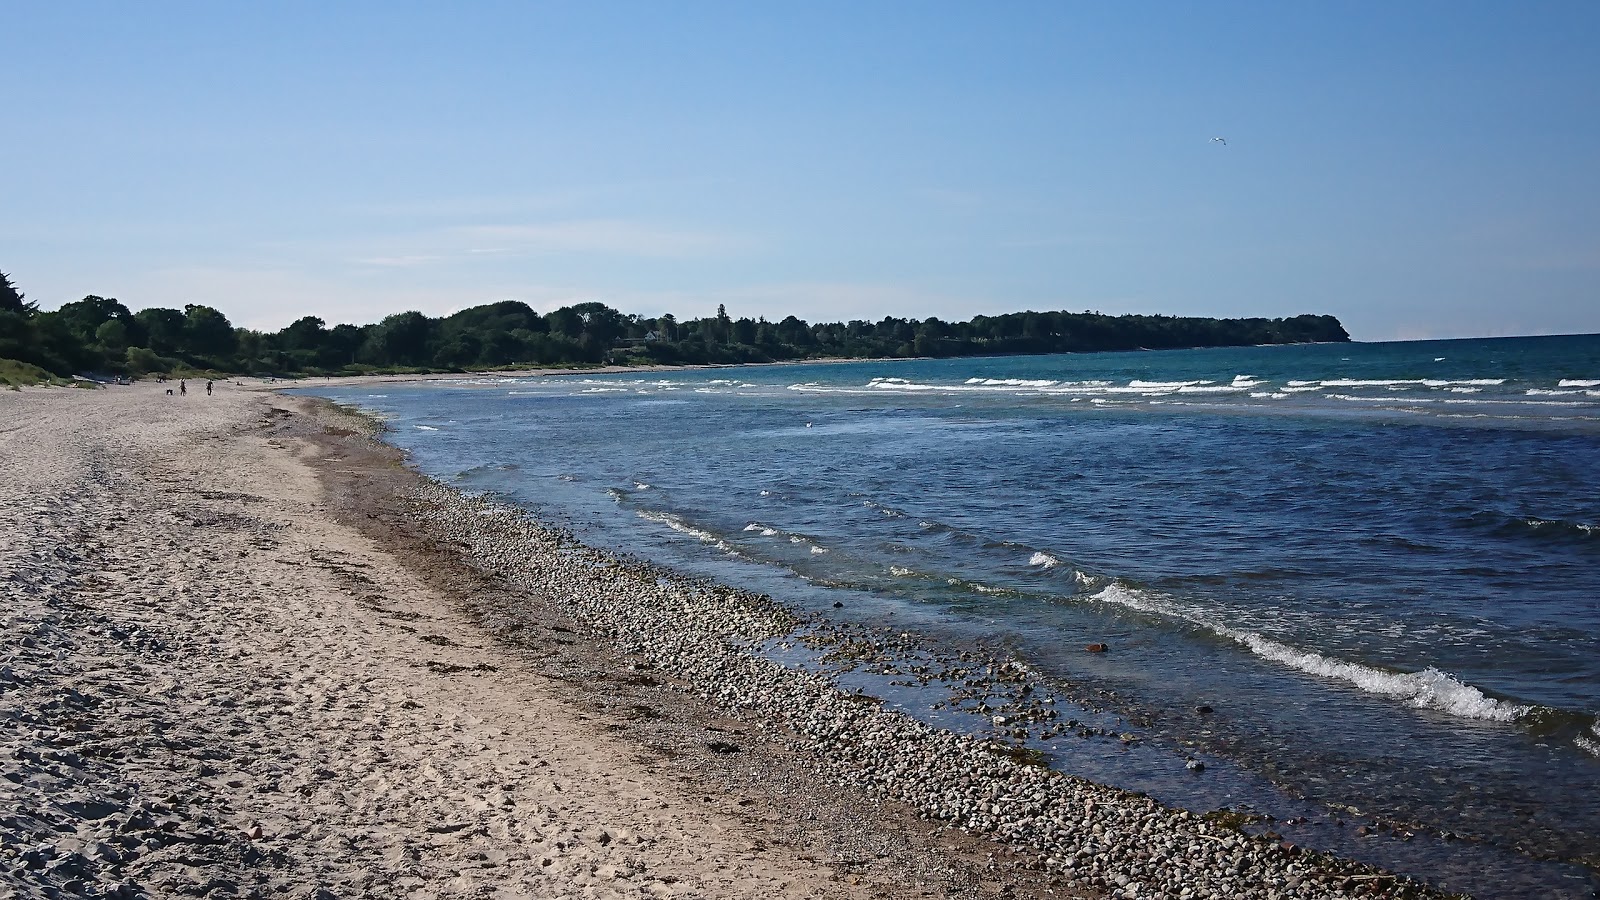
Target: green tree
(208, 334)
(401, 340)
(163, 329)
(11, 299)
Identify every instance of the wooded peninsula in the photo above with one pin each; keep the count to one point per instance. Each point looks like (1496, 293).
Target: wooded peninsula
(101, 335)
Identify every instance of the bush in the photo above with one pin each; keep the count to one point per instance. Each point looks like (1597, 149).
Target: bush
(15, 374)
(141, 361)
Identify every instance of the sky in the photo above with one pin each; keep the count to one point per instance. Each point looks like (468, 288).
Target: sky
(1417, 169)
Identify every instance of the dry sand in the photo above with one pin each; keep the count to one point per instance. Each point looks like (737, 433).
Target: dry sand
(214, 684)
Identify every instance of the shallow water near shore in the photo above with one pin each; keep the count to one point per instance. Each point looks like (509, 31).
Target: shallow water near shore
(1375, 564)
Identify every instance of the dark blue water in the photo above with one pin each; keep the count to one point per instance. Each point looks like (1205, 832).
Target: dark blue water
(1379, 563)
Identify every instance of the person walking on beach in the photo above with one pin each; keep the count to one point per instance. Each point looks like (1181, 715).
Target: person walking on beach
(183, 386)
(208, 387)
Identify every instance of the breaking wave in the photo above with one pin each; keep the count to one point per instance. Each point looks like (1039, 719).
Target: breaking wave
(679, 525)
(1427, 689)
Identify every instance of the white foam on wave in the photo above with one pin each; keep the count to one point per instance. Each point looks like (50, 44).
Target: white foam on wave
(898, 384)
(1427, 689)
(677, 524)
(1579, 382)
(1580, 526)
(1525, 403)
(1043, 560)
(1013, 382)
(426, 428)
(818, 551)
(1370, 382)
(1473, 382)
(1215, 389)
(1545, 392)
(766, 530)
(885, 510)
(1590, 745)
(1269, 395)
(1163, 385)
(641, 486)
(900, 572)
(1354, 399)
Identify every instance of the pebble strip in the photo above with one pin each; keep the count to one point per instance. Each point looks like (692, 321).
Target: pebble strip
(1116, 841)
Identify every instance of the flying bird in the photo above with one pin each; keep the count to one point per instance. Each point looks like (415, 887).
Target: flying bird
(1222, 141)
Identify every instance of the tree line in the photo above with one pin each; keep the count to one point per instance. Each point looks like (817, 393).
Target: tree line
(99, 334)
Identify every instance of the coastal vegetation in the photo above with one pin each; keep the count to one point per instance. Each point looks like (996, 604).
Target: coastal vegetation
(100, 334)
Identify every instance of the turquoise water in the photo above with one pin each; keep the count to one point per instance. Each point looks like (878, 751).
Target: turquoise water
(1376, 562)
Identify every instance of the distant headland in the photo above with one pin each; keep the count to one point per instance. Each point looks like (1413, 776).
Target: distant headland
(99, 334)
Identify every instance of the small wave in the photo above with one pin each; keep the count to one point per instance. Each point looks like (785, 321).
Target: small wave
(678, 524)
(766, 530)
(426, 428)
(1269, 395)
(1354, 399)
(818, 551)
(1579, 382)
(1043, 560)
(1545, 392)
(901, 572)
(1587, 743)
(1163, 385)
(1562, 527)
(888, 511)
(641, 486)
(1370, 382)
(1215, 388)
(899, 384)
(1013, 382)
(1427, 689)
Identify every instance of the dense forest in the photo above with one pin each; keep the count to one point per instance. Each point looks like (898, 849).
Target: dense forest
(101, 335)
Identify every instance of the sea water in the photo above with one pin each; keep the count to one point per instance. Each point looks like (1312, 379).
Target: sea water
(1379, 564)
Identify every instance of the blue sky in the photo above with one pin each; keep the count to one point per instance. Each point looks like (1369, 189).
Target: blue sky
(1417, 169)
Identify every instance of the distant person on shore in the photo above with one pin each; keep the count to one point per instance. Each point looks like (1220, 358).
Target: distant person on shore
(183, 386)
(208, 387)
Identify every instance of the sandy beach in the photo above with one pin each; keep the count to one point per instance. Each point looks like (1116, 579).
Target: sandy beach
(249, 653)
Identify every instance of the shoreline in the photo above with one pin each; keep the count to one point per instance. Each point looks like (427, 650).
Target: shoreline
(868, 746)
(202, 570)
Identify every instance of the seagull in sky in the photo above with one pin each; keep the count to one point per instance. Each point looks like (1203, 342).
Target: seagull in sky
(1222, 141)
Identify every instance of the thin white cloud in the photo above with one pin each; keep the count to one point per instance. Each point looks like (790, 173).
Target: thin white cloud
(468, 244)
(621, 237)
(415, 259)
